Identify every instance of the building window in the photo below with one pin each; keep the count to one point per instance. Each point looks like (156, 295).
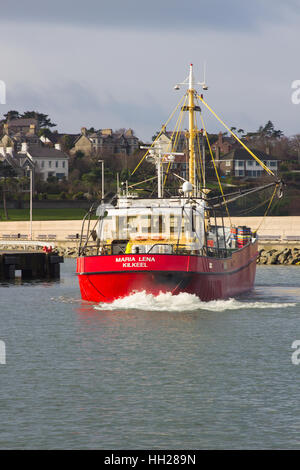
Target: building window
(273, 163)
(56, 164)
(250, 162)
(49, 163)
(63, 164)
(227, 162)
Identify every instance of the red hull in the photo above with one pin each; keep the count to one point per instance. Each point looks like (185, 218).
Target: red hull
(106, 278)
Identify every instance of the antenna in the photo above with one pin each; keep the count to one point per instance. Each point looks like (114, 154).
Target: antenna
(189, 81)
(204, 86)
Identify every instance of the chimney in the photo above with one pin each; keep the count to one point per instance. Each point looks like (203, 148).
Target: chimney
(268, 150)
(83, 131)
(24, 147)
(32, 129)
(217, 153)
(106, 131)
(57, 146)
(220, 138)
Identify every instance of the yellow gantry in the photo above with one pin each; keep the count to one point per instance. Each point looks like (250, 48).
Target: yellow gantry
(191, 137)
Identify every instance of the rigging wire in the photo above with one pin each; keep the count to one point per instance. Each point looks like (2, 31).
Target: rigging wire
(160, 133)
(201, 171)
(141, 182)
(267, 209)
(247, 211)
(216, 171)
(178, 127)
(239, 140)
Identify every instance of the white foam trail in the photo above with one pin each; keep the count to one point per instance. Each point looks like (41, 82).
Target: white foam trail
(182, 302)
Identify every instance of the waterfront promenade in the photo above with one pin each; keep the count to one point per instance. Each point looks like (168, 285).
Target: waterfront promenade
(280, 229)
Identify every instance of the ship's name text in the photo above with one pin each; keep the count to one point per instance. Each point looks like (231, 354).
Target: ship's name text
(135, 262)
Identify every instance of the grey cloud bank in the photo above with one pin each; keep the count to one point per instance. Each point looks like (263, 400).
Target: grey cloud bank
(157, 14)
(75, 62)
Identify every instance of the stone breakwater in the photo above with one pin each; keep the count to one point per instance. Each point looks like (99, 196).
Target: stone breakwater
(286, 256)
(66, 251)
(72, 251)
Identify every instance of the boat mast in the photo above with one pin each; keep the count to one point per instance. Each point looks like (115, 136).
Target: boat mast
(191, 108)
(192, 130)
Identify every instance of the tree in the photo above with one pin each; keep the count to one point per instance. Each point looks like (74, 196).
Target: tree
(43, 119)
(269, 131)
(67, 142)
(11, 115)
(92, 180)
(6, 180)
(45, 132)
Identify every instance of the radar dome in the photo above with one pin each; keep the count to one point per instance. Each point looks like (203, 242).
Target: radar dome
(187, 187)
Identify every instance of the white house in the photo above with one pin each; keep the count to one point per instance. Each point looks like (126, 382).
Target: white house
(48, 161)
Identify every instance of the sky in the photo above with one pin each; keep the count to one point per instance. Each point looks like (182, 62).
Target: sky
(114, 64)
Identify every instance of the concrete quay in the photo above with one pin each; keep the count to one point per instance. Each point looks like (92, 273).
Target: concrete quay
(270, 229)
(275, 233)
(47, 230)
(277, 229)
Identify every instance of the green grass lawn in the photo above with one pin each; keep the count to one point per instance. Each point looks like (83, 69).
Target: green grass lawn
(44, 214)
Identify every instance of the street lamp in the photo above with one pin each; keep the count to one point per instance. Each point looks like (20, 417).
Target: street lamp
(102, 175)
(28, 168)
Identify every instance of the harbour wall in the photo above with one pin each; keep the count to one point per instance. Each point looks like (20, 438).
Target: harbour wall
(279, 237)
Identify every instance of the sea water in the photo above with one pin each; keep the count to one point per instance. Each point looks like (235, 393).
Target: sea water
(166, 372)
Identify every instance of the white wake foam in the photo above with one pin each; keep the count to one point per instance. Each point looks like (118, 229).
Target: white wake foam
(181, 303)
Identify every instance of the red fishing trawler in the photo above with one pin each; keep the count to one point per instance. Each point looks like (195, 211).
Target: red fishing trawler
(170, 242)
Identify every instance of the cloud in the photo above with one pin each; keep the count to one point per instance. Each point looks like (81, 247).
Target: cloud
(114, 77)
(69, 102)
(174, 15)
